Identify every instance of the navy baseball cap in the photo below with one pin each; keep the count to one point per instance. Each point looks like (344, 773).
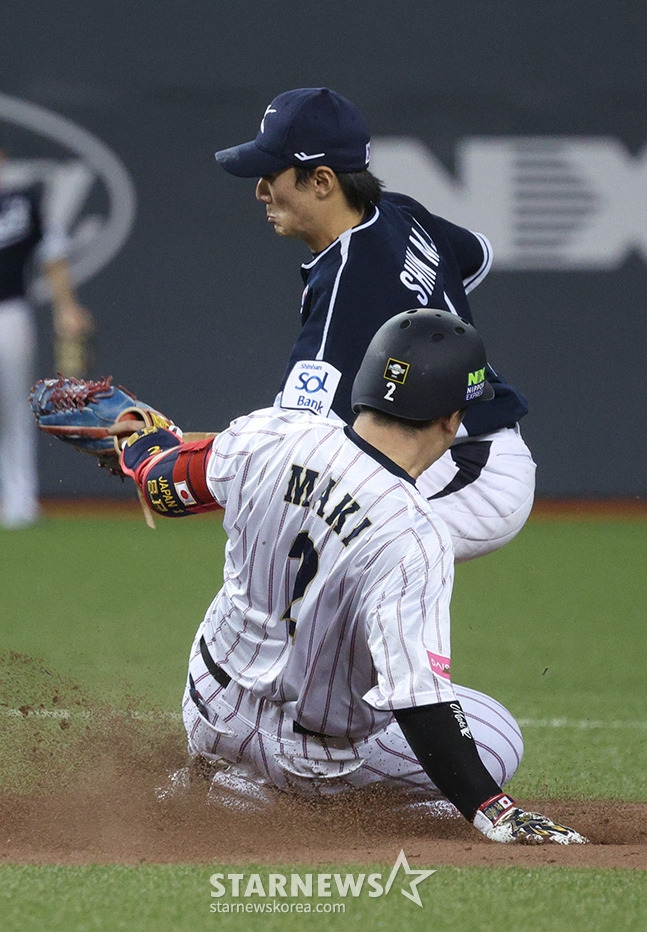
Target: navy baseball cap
(308, 126)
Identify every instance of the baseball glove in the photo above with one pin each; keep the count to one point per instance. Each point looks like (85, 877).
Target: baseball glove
(81, 413)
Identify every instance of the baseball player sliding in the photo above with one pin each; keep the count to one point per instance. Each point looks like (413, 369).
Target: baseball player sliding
(323, 663)
(375, 253)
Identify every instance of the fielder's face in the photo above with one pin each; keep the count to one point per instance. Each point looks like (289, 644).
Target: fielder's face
(292, 211)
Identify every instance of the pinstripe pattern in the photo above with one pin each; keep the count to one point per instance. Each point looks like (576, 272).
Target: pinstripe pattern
(367, 614)
(377, 605)
(244, 730)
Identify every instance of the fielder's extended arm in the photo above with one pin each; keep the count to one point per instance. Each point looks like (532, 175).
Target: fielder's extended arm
(73, 323)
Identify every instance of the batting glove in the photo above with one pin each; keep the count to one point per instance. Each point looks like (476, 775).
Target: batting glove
(500, 819)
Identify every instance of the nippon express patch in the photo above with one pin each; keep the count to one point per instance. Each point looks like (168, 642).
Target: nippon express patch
(475, 384)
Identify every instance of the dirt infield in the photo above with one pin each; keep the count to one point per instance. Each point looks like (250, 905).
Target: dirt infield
(125, 823)
(87, 790)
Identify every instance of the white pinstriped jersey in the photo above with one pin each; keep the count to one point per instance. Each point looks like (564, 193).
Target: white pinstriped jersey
(337, 578)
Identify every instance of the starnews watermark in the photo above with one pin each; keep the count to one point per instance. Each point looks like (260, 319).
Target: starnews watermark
(310, 892)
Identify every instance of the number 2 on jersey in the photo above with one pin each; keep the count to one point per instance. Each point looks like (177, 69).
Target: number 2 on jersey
(302, 549)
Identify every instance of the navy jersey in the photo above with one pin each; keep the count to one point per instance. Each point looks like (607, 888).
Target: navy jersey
(399, 258)
(21, 232)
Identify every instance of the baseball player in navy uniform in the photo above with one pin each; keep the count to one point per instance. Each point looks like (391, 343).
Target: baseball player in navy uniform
(376, 253)
(24, 243)
(324, 664)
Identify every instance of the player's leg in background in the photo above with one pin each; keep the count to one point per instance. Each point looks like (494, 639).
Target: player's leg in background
(495, 731)
(390, 760)
(484, 490)
(18, 469)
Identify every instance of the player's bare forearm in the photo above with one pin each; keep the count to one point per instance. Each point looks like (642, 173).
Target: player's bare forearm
(71, 319)
(73, 324)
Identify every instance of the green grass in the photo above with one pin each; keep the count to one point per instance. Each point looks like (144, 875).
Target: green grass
(563, 605)
(111, 603)
(553, 626)
(174, 898)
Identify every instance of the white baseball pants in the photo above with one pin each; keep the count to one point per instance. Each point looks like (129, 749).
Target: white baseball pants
(258, 736)
(18, 470)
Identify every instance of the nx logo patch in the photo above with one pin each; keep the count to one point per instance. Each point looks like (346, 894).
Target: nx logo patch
(475, 384)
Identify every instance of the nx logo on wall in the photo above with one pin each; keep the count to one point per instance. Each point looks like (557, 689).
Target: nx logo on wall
(88, 192)
(545, 202)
